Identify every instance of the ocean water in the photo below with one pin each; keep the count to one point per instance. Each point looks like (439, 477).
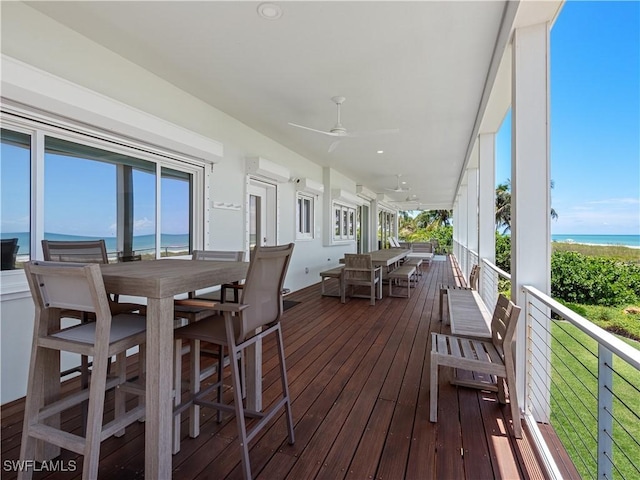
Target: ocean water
(141, 243)
(625, 240)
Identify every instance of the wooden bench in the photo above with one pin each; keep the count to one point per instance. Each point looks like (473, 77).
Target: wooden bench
(336, 273)
(405, 272)
(473, 285)
(493, 357)
(415, 262)
(468, 314)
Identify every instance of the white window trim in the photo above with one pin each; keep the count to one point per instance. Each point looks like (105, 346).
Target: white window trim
(345, 236)
(300, 235)
(14, 283)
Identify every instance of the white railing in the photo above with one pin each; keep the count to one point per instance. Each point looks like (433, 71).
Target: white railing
(465, 257)
(585, 383)
(493, 280)
(580, 379)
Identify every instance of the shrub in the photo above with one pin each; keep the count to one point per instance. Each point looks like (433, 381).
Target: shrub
(503, 252)
(577, 278)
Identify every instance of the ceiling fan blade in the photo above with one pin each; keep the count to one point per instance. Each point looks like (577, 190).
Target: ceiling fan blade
(383, 131)
(313, 129)
(333, 146)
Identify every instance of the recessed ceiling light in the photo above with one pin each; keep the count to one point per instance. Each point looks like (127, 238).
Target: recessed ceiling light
(404, 183)
(380, 151)
(269, 11)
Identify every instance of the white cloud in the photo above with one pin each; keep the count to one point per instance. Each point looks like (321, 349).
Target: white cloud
(143, 224)
(616, 201)
(610, 216)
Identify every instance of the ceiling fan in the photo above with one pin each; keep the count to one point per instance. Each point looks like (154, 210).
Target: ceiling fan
(399, 188)
(339, 131)
(409, 199)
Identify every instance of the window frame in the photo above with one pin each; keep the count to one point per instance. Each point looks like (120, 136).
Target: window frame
(344, 222)
(301, 234)
(39, 126)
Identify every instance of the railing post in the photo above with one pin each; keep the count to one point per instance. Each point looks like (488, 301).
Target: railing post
(605, 412)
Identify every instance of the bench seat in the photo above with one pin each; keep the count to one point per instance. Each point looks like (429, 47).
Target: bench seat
(405, 272)
(415, 262)
(336, 273)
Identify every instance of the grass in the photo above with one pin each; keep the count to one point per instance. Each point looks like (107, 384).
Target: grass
(617, 252)
(612, 319)
(574, 403)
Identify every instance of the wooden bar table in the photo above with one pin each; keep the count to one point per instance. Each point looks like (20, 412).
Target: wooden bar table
(159, 281)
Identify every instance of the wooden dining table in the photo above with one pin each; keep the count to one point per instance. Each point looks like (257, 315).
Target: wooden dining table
(159, 281)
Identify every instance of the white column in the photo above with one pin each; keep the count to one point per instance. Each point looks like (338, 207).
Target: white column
(472, 216)
(373, 237)
(486, 205)
(464, 241)
(530, 182)
(456, 228)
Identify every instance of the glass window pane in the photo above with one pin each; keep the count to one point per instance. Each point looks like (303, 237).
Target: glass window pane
(92, 193)
(15, 180)
(307, 216)
(176, 213)
(253, 220)
(345, 222)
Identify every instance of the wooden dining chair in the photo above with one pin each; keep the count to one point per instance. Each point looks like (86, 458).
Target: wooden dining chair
(85, 251)
(237, 326)
(8, 253)
(359, 271)
(194, 313)
(493, 358)
(57, 286)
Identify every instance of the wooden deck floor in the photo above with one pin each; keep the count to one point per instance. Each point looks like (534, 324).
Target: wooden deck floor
(359, 379)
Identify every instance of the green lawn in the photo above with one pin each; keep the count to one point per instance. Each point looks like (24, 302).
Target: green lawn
(624, 254)
(574, 403)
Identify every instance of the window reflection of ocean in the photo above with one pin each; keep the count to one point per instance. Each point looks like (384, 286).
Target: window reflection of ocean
(141, 243)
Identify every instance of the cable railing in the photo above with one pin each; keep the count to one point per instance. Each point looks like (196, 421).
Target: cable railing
(493, 281)
(581, 380)
(585, 383)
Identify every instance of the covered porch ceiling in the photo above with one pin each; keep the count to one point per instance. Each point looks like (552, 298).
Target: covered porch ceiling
(425, 68)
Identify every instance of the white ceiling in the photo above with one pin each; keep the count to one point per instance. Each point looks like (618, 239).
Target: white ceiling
(420, 67)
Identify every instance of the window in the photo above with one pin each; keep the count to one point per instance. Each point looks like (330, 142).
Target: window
(386, 227)
(305, 217)
(143, 203)
(15, 198)
(345, 222)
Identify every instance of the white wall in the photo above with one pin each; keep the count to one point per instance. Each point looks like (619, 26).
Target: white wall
(35, 39)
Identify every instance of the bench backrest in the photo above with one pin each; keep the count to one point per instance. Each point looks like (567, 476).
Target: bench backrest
(503, 325)
(474, 276)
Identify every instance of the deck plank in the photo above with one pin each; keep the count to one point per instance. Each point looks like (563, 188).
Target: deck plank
(359, 383)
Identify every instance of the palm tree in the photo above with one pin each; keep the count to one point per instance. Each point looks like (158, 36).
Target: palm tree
(433, 218)
(503, 206)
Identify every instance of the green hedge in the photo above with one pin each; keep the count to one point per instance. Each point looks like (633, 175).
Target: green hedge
(585, 279)
(594, 280)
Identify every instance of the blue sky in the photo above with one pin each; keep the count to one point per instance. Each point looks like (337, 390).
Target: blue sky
(595, 119)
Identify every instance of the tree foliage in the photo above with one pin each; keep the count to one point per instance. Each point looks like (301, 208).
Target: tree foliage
(583, 279)
(503, 206)
(578, 278)
(427, 225)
